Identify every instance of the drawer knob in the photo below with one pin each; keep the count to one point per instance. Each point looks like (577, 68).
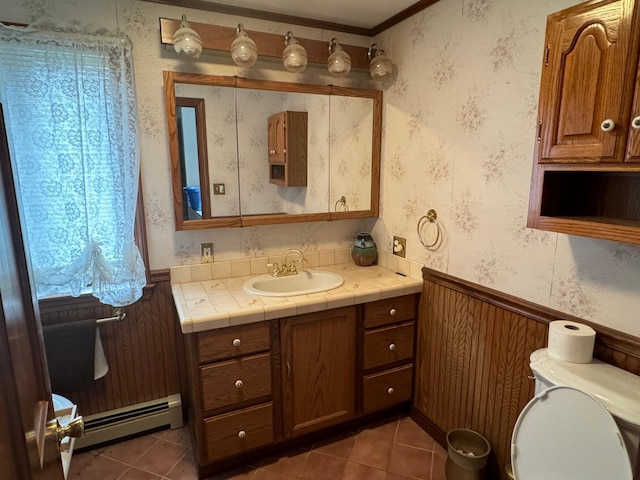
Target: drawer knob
(392, 346)
(608, 125)
(390, 391)
(242, 434)
(239, 383)
(236, 342)
(392, 312)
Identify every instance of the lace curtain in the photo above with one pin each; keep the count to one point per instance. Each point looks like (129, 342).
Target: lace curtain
(71, 118)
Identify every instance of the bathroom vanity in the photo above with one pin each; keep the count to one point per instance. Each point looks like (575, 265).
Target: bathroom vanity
(311, 362)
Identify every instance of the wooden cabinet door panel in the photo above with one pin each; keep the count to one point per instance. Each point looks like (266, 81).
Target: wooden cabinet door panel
(238, 432)
(276, 137)
(583, 83)
(318, 369)
(220, 381)
(633, 141)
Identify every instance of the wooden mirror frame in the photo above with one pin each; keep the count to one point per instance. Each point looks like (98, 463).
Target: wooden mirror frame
(171, 78)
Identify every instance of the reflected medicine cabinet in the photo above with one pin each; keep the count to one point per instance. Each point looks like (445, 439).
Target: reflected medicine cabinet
(586, 172)
(287, 144)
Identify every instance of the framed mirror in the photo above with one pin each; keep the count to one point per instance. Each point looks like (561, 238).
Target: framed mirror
(254, 152)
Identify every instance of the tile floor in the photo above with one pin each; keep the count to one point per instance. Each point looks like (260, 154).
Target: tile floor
(395, 449)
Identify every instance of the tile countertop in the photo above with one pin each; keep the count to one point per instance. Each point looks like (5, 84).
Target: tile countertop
(209, 304)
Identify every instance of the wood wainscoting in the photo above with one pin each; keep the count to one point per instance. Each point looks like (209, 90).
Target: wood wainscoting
(472, 359)
(143, 350)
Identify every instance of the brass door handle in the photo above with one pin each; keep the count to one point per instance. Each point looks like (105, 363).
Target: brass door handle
(73, 429)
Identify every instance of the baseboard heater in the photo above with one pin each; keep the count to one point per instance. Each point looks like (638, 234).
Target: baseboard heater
(122, 422)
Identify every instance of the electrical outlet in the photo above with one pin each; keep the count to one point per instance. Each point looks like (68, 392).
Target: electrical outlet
(218, 188)
(206, 252)
(399, 246)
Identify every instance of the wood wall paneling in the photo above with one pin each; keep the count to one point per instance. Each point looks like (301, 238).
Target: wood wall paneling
(472, 359)
(142, 351)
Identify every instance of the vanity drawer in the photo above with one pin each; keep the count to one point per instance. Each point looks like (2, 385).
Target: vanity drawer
(239, 431)
(233, 381)
(233, 341)
(387, 388)
(390, 310)
(388, 345)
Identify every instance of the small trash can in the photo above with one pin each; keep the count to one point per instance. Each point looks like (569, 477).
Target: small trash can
(467, 455)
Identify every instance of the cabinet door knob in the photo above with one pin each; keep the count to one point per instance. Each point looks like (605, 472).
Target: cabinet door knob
(239, 383)
(242, 434)
(236, 342)
(635, 123)
(392, 346)
(390, 391)
(607, 125)
(393, 311)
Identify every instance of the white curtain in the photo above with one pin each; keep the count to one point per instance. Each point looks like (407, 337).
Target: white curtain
(71, 115)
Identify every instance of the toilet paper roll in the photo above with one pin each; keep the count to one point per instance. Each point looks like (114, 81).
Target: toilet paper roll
(571, 342)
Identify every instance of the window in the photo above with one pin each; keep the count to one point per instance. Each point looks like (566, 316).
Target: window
(70, 111)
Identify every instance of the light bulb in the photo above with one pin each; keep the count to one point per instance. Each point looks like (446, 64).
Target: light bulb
(339, 61)
(244, 51)
(381, 66)
(186, 40)
(294, 56)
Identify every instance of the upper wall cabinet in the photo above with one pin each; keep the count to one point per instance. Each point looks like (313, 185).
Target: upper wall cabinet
(224, 173)
(586, 174)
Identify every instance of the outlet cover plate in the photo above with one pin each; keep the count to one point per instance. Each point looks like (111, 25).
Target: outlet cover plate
(206, 252)
(218, 189)
(399, 246)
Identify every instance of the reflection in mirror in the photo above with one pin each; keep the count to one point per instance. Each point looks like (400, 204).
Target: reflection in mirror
(351, 139)
(259, 196)
(217, 156)
(191, 132)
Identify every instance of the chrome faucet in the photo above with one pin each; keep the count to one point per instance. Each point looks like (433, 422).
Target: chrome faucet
(287, 268)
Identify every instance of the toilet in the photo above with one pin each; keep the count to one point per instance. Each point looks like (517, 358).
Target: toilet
(582, 424)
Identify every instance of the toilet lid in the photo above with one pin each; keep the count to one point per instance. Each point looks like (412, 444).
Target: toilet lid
(566, 434)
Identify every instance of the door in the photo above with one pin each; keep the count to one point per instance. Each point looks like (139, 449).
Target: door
(586, 82)
(28, 449)
(318, 370)
(276, 137)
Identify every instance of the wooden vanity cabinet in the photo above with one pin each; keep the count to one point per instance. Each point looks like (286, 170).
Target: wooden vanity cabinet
(586, 174)
(287, 148)
(266, 384)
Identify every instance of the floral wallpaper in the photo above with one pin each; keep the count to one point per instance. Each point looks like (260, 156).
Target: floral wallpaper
(458, 136)
(459, 127)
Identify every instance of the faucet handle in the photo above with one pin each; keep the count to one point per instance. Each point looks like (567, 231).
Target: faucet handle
(274, 269)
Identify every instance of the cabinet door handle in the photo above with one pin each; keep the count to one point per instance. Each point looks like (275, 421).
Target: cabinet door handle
(236, 342)
(607, 125)
(242, 434)
(239, 384)
(390, 391)
(288, 368)
(392, 346)
(635, 123)
(393, 312)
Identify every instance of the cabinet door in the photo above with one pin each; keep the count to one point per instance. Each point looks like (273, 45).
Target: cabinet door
(318, 369)
(586, 80)
(633, 143)
(276, 137)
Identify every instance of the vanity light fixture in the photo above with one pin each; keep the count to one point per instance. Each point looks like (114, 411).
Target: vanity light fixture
(339, 61)
(244, 51)
(294, 56)
(381, 66)
(186, 40)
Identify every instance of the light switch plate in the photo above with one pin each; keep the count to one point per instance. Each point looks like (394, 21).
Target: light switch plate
(206, 252)
(218, 189)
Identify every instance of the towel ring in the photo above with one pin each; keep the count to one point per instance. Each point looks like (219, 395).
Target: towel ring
(431, 217)
(342, 203)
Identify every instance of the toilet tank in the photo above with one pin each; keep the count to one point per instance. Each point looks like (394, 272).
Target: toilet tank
(617, 389)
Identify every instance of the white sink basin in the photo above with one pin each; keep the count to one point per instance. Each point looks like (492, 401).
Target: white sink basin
(305, 282)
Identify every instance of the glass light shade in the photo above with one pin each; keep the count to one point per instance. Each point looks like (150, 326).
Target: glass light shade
(380, 67)
(294, 57)
(186, 40)
(339, 62)
(244, 51)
